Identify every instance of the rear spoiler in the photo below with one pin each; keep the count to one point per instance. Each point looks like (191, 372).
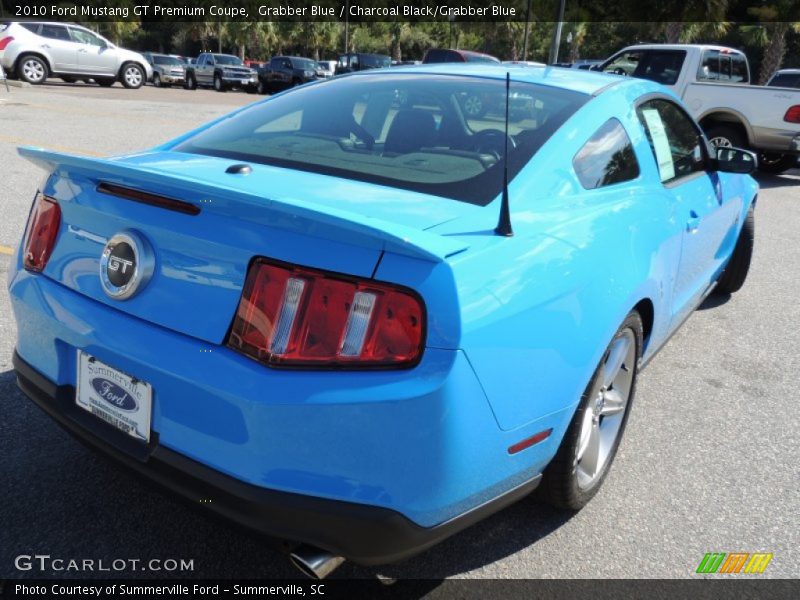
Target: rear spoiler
(336, 224)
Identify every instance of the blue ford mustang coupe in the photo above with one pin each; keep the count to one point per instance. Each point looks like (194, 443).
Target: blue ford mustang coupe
(354, 317)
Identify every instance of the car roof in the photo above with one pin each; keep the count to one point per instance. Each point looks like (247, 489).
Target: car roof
(587, 82)
(787, 72)
(681, 47)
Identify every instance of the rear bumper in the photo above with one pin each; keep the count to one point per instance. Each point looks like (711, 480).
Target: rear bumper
(365, 534)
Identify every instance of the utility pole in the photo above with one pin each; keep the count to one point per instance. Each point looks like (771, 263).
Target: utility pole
(557, 34)
(347, 27)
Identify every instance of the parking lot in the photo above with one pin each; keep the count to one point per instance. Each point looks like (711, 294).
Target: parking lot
(708, 462)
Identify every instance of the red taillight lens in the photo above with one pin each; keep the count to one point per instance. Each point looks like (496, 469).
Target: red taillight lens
(293, 316)
(40, 236)
(793, 114)
(5, 42)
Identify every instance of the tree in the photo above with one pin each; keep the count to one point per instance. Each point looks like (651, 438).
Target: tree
(771, 35)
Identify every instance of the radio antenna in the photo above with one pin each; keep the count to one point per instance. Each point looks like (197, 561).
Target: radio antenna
(504, 222)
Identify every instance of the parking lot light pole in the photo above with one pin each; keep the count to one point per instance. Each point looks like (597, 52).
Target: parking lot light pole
(557, 34)
(527, 32)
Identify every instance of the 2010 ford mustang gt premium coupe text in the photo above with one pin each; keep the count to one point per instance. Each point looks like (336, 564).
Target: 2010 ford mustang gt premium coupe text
(357, 318)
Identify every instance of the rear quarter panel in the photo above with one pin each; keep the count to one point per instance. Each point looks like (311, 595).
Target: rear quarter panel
(540, 308)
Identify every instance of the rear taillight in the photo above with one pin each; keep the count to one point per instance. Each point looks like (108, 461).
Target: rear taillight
(293, 316)
(793, 114)
(5, 42)
(40, 235)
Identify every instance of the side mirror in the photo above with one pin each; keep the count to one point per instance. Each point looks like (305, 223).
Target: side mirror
(736, 160)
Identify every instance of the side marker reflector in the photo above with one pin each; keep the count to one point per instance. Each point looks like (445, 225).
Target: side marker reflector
(528, 442)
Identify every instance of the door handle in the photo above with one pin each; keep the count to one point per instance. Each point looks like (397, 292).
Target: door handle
(693, 223)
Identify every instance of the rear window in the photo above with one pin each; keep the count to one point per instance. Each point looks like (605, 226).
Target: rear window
(416, 132)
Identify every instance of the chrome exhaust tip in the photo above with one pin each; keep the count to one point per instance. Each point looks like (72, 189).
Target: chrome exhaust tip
(314, 562)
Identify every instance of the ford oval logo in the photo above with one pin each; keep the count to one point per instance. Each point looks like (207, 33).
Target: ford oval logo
(113, 394)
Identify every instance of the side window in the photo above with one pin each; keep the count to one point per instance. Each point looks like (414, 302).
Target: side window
(354, 62)
(674, 139)
(723, 66)
(624, 64)
(55, 32)
(287, 64)
(607, 158)
(32, 27)
(84, 37)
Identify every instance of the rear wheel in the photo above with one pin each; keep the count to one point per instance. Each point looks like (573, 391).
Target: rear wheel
(32, 69)
(261, 88)
(735, 273)
(593, 436)
(218, 84)
(776, 163)
(725, 136)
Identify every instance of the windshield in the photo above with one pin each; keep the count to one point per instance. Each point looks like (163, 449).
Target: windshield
(304, 63)
(377, 61)
(323, 66)
(167, 60)
(435, 134)
(480, 58)
(227, 59)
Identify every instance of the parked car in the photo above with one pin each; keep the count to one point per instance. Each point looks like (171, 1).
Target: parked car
(788, 78)
(36, 50)
(222, 72)
(446, 55)
(342, 349)
(329, 66)
(713, 81)
(360, 61)
(283, 72)
(167, 70)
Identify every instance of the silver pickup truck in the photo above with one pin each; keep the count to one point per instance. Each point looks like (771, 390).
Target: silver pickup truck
(714, 83)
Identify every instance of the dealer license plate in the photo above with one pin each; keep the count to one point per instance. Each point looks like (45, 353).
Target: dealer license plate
(119, 399)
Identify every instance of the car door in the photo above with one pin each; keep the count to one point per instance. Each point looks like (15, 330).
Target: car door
(682, 157)
(207, 70)
(59, 45)
(95, 57)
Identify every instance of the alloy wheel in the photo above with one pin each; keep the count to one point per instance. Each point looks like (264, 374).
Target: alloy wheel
(602, 421)
(133, 76)
(33, 70)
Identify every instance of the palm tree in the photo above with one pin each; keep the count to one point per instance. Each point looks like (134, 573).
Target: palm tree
(771, 35)
(710, 11)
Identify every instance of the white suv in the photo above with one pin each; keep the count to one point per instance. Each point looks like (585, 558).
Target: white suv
(34, 51)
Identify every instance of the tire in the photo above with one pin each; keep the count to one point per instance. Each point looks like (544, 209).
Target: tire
(474, 106)
(735, 273)
(572, 479)
(32, 69)
(218, 84)
(156, 80)
(190, 83)
(261, 88)
(132, 76)
(725, 136)
(776, 164)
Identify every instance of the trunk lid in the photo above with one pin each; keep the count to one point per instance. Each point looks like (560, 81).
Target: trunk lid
(201, 260)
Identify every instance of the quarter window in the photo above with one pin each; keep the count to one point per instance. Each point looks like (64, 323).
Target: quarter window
(674, 139)
(607, 158)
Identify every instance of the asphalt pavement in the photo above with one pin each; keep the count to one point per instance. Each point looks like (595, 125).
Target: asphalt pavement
(708, 462)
